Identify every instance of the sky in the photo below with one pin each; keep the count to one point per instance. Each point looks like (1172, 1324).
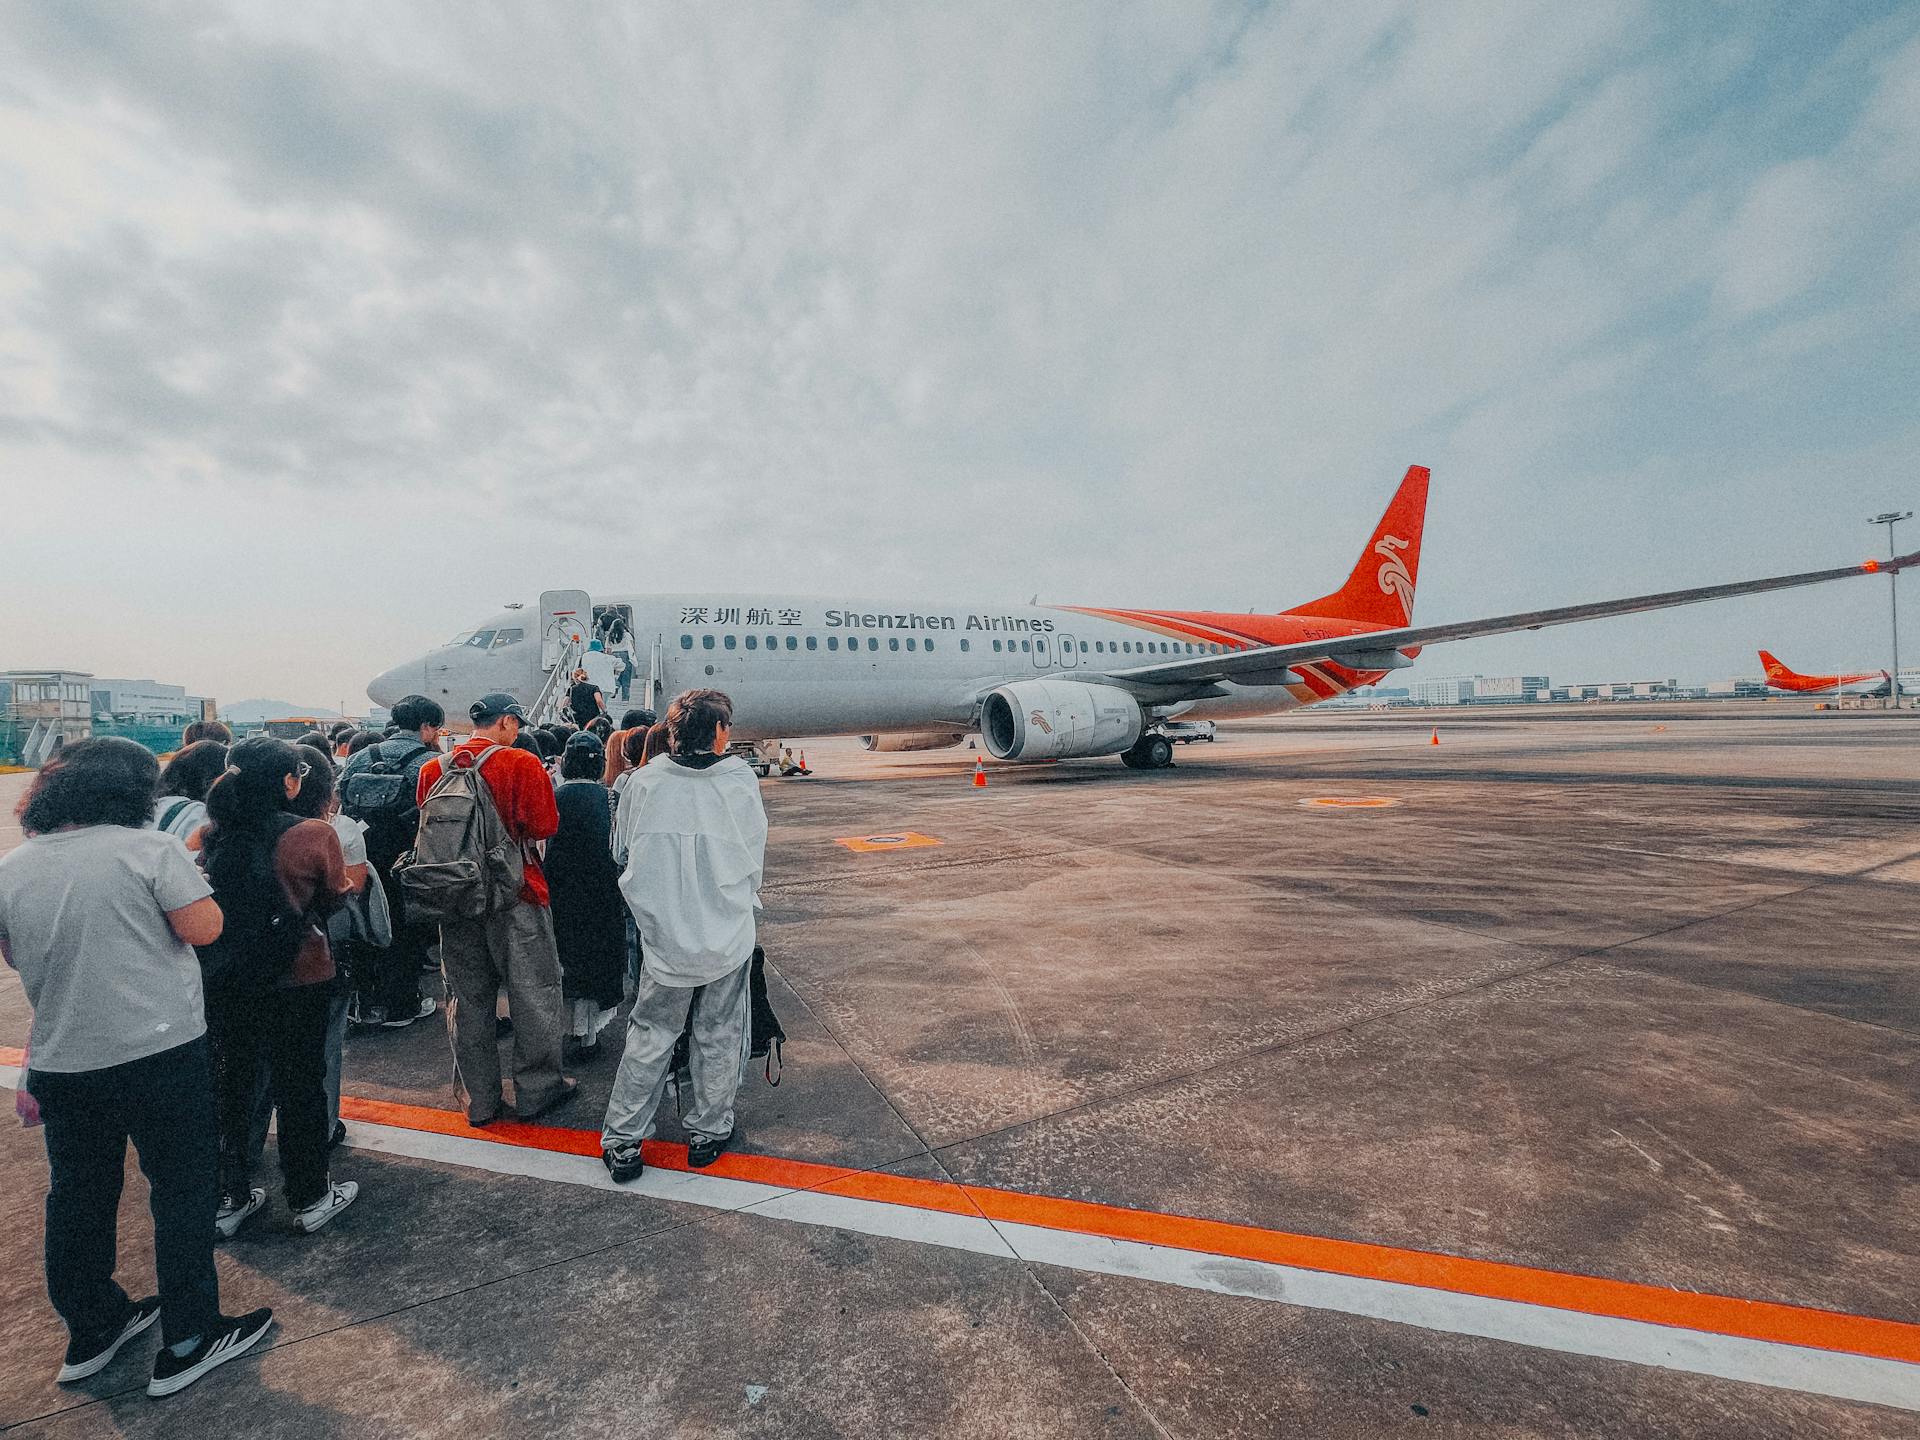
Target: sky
(326, 329)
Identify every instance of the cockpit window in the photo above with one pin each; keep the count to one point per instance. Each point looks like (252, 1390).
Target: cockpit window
(462, 638)
(480, 639)
(508, 637)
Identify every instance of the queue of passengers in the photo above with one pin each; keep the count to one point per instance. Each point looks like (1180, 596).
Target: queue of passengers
(195, 940)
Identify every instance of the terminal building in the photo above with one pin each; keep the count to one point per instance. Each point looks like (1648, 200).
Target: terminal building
(146, 702)
(1480, 690)
(42, 710)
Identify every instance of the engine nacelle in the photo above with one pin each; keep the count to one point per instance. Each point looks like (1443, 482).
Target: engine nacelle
(913, 740)
(1058, 719)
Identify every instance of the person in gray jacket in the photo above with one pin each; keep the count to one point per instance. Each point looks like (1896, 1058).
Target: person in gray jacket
(694, 834)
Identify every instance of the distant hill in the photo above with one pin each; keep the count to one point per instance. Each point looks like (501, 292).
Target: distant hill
(252, 712)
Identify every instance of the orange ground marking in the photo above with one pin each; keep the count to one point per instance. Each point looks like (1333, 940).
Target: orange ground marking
(1763, 1320)
(900, 840)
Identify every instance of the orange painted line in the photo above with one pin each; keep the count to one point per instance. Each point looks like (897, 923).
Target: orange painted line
(1490, 1279)
(1762, 1320)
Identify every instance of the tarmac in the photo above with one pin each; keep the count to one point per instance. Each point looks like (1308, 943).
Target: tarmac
(1567, 1090)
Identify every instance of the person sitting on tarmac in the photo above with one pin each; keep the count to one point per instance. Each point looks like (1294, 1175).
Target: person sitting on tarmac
(694, 832)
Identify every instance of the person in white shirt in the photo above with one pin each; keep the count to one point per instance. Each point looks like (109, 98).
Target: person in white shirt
(694, 833)
(182, 807)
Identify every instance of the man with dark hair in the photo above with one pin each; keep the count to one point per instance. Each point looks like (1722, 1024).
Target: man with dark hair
(694, 834)
(514, 946)
(205, 730)
(378, 787)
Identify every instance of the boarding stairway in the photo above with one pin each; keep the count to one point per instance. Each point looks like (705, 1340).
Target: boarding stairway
(549, 705)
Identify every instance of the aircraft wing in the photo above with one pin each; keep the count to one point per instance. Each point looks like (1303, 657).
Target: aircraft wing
(1379, 649)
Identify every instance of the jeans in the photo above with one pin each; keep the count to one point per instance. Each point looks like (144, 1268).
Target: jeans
(288, 1028)
(336, 1055)
(164, 1104)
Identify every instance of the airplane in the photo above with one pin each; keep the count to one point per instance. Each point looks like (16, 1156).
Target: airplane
(1867, 682)
(1035, 683)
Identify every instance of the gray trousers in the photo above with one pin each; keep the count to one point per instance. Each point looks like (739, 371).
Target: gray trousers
(513, 948)
(718, 1056)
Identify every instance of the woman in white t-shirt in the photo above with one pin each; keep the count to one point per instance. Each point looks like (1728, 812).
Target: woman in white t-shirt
(100, 914)
(182, 807)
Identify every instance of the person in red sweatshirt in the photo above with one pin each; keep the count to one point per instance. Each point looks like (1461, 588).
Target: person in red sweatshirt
(513, 947)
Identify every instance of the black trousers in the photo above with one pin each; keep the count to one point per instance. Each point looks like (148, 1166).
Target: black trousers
(164, 1104)
(288, 1029)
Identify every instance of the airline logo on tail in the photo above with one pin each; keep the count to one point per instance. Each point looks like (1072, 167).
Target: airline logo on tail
(1392, 577)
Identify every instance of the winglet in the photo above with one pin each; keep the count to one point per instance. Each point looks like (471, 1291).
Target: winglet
(1380, 589)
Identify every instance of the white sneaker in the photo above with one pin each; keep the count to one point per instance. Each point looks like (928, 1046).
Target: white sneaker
(230, 1217)
(400, 1022)
(340, 1194)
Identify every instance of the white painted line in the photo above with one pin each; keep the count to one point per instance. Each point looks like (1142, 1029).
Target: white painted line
(1787, 1367)
(1758, 1362)
(893, 1222)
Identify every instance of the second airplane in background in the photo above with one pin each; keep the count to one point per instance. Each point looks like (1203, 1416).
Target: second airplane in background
(1866, 682)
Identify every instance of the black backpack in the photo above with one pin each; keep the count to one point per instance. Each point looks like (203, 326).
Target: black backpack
(261, 932)
(380, 796)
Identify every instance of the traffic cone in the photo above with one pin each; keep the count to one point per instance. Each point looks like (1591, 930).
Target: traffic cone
(1436, 737)
(979, 773)
(803, 764)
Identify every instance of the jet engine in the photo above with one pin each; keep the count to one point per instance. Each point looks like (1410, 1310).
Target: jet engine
(912, 740)
(1056, 719)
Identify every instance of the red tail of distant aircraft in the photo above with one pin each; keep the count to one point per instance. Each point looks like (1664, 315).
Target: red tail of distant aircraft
(1779, 677)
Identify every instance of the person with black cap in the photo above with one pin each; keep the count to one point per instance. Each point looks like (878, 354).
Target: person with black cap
(512, 947)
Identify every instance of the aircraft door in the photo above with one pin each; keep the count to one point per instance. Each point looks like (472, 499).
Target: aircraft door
(1069, 653)
(565, 618)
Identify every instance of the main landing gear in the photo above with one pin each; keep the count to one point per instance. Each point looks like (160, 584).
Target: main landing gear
(1149, 752)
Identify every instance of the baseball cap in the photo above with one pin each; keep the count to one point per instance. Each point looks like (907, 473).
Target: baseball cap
(498, 703)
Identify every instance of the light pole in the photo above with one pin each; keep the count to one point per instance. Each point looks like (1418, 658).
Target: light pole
(1891, 518)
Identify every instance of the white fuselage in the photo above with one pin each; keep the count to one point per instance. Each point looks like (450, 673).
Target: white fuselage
(805, 666)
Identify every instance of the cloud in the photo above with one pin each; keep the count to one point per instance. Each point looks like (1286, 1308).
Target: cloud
(1150, 304)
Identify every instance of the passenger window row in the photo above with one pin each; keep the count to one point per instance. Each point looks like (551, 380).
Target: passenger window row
(811, 642)
(914, 643)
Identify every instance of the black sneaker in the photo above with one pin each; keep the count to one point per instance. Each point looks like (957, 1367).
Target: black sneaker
(704, 1150)
(233, 1336)
(90, 1354)
(623, 1162)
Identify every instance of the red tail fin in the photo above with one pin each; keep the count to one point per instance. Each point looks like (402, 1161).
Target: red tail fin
(1380, 590)
(1770, 663)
